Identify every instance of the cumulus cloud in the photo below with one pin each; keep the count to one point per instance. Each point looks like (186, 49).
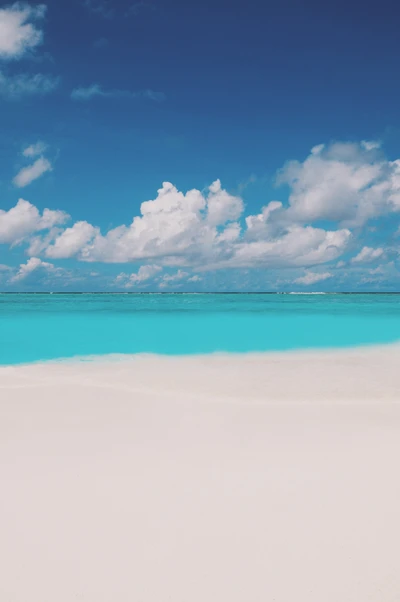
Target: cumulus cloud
(71, 240)
(19, 35)
(95, 90)
(343, 182)
(222, 207)
(24, 219)
(32, 265)
(32, 172)
(200, 230)
(144, 274)
(18, 29)
(203, 230)
(367, 255)
(174, 226)
(312, 277)
(39, 244)
(16, 87)
(298, 246)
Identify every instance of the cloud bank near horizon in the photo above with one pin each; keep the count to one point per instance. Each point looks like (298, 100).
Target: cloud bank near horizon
(333, 194)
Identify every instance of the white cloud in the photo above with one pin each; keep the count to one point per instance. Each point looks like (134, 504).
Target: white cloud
(172, 279)
(145, 273)
(39, 244)
(385, 272)
(202, 230)
(87, 93)
(4, 268)
(380, 269)
(209, 230)
(222, 207)
(16, 87)
(175, 226)
(367, 255)
(32, 172)
(18, 31)
(32, 265)
(343, 182)
(95, 90)
(19, 35)
(370, 144)
(69, 242)
(298, 246)
(312, 277)
(24, 219)
(35, 150)
(176, 278)
(316, 150)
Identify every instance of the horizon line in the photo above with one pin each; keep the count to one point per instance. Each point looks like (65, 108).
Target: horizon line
(200, 293)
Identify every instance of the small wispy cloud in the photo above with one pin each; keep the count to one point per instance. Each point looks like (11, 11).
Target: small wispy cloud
(103, 8)
(40, 166)
(96, 91)
(368, 255)
(100, 43)
(107, 9)
(369, 145)
(135, 8)
(16, 87)
(173, 279)
(312, 278)
(28, 174)
(35, 149)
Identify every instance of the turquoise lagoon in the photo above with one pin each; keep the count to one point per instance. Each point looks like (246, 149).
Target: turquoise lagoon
(35, 327)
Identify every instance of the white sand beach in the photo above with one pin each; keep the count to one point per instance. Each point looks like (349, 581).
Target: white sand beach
(248, 478)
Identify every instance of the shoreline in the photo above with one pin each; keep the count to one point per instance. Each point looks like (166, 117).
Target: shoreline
(356, 373)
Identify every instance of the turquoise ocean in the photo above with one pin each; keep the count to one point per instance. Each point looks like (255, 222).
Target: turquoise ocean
(35, 327)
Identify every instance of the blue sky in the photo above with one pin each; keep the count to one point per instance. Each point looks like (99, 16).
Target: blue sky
(247, 104)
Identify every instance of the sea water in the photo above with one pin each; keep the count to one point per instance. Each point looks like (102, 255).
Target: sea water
(35, 327)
